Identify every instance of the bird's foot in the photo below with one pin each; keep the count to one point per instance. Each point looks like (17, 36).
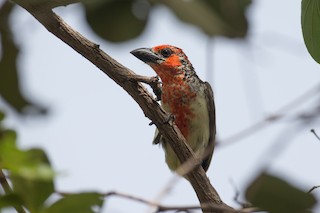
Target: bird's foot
(169, 119)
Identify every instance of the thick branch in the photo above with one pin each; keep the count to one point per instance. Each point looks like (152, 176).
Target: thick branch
(125, 78)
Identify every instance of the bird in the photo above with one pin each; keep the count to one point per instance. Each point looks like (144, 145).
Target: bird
(187, 98)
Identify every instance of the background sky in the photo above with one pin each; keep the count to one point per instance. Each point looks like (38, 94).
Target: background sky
(97, 137)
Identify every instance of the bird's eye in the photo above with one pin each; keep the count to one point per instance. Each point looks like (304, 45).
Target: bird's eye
(166, 52)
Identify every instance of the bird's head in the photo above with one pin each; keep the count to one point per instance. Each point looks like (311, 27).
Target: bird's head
(166, 60)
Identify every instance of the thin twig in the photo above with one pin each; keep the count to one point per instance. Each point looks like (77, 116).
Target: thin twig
(166, 190)
(315, 134)
(162, 208)
(8, 190)
(210, 59)
(4, 183)
(279, 114)
(236, 196)
(182, 170)
(313, 188)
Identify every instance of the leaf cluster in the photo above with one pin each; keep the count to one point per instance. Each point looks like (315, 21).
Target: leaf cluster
(32, 181)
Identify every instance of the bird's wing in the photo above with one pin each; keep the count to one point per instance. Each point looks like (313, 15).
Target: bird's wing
(212, 126)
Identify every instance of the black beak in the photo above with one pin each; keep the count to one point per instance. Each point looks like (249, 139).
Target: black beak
(146, 55)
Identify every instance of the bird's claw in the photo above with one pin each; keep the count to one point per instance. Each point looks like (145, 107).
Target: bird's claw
(169, 118)
(156, 87)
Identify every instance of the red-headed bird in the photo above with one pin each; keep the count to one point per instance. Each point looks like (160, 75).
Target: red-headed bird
(186, 97)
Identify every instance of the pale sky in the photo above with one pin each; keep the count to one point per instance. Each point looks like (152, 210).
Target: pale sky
(97, 137)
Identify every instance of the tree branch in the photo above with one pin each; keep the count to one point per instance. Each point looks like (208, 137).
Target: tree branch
(275, 116)
(125, 78)
(315, 134)
(8, 190)
(162, 208)
(313, 188)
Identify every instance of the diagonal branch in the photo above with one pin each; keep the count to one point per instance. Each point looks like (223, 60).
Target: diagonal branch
(313, 188)
(126, 79)
(315, 134)
(8, 190)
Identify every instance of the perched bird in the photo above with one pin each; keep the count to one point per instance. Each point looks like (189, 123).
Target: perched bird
(186, 97)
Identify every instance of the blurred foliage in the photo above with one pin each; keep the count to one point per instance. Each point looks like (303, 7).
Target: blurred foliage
(115, 20)
(214, 17)
(10, 89)
(277, 196)
(32, 178)
(310, 21)
(80, 203)
(118, 21)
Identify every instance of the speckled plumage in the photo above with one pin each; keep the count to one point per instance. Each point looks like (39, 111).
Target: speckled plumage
(186, 97)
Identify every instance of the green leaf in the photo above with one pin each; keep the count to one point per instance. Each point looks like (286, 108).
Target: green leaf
(80, 203)
(33, 192)
(277, 196)
(9, 154)
(7, 138)
(219, 17)
(10, 200)
(2, 116)
(30, 164)
(116, 20)
(30, 171)
(310, 21)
